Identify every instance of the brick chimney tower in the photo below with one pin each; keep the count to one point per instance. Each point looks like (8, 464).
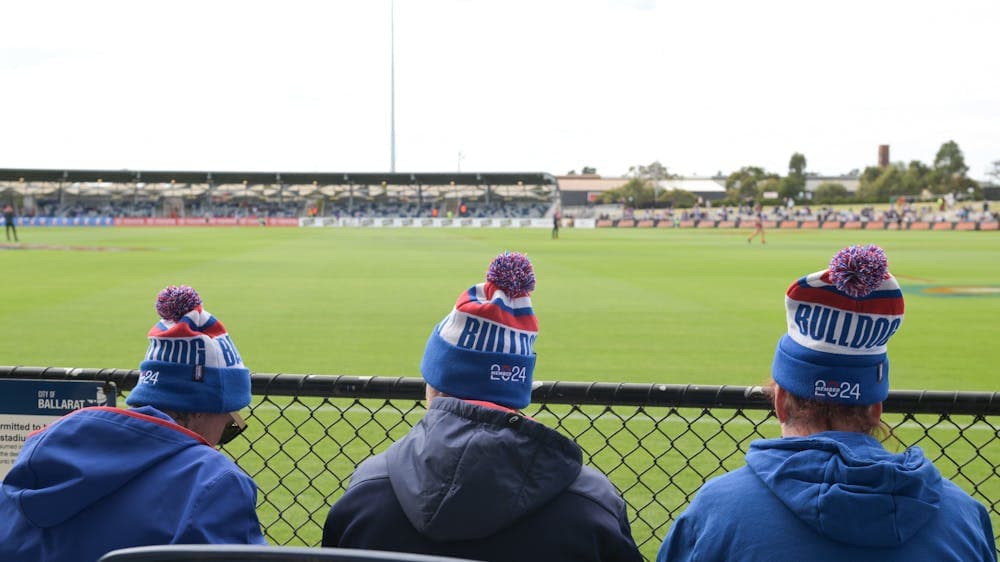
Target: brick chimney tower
(883, 156)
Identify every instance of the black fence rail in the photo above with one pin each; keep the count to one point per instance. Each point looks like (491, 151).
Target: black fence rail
(657, 442)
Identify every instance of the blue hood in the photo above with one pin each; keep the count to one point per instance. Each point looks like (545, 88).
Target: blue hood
(55, 481)
(466, 471)
(848, 488)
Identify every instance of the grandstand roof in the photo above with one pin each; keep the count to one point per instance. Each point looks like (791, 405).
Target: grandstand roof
(272, 178)
(363, 185)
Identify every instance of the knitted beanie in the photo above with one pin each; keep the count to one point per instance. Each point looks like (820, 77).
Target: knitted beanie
(484, 349)
(191, 364)
(839, 322)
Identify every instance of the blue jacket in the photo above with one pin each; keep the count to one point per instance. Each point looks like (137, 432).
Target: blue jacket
(831, 496)
(105, 478)
(473, 480)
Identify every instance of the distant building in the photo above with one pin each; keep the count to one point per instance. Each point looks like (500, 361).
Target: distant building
(850, 183)
(579, 191)
(582, 190)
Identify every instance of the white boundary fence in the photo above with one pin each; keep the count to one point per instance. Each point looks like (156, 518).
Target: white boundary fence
(406, 222)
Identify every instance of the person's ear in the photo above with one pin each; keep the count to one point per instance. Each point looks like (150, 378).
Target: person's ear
(875, 414)
(781, 404)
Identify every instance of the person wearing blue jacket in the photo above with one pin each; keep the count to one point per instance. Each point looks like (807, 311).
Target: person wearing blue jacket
(475, 478)
(100, 479)
(828, 490)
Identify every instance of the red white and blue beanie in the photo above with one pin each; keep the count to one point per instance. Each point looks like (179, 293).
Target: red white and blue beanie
(485, 349)
(839, 322)
(191, 364)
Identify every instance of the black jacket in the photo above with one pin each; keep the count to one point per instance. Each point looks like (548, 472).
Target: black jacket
(481, 482)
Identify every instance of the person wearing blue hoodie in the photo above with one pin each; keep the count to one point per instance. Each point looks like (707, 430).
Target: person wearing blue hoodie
(827, 490)
(475, 478)
(100, 479)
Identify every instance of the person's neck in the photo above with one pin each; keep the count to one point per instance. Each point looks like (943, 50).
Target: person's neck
(788, 430)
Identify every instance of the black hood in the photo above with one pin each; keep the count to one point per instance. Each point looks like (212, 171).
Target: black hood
(466, 471)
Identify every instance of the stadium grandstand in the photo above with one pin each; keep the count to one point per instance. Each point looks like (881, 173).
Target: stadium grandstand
(189, 194)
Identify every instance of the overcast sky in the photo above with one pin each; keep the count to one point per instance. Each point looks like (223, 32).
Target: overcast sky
(703, 86)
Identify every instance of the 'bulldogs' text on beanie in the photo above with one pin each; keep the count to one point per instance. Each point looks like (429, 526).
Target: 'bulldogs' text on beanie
(839, 322)
(485, 348)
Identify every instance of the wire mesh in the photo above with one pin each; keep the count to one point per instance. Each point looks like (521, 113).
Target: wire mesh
(657, 443)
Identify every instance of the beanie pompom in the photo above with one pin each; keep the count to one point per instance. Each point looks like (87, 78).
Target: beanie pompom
(195, 364)
(512, 273)
(175, 301)
(859, 270)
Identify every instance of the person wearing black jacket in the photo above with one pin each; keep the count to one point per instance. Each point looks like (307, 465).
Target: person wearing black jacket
(475, 478)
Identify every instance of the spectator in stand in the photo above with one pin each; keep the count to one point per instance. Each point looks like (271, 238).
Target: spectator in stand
(828, 490)
(102, 478)
(475, 478)
(9, 218)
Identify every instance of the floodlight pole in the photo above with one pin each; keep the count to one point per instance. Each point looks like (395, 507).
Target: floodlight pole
(392, 86)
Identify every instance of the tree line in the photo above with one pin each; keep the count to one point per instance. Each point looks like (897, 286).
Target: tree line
(947, 174)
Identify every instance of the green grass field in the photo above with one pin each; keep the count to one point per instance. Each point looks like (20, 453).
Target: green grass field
(674, 306)
(664, 306)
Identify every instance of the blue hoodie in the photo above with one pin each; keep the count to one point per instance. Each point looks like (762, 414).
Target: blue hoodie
(102, 478)
(831, 496)
(477, 481)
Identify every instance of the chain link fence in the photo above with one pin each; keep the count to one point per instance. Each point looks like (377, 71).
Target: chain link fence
(658, 443)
